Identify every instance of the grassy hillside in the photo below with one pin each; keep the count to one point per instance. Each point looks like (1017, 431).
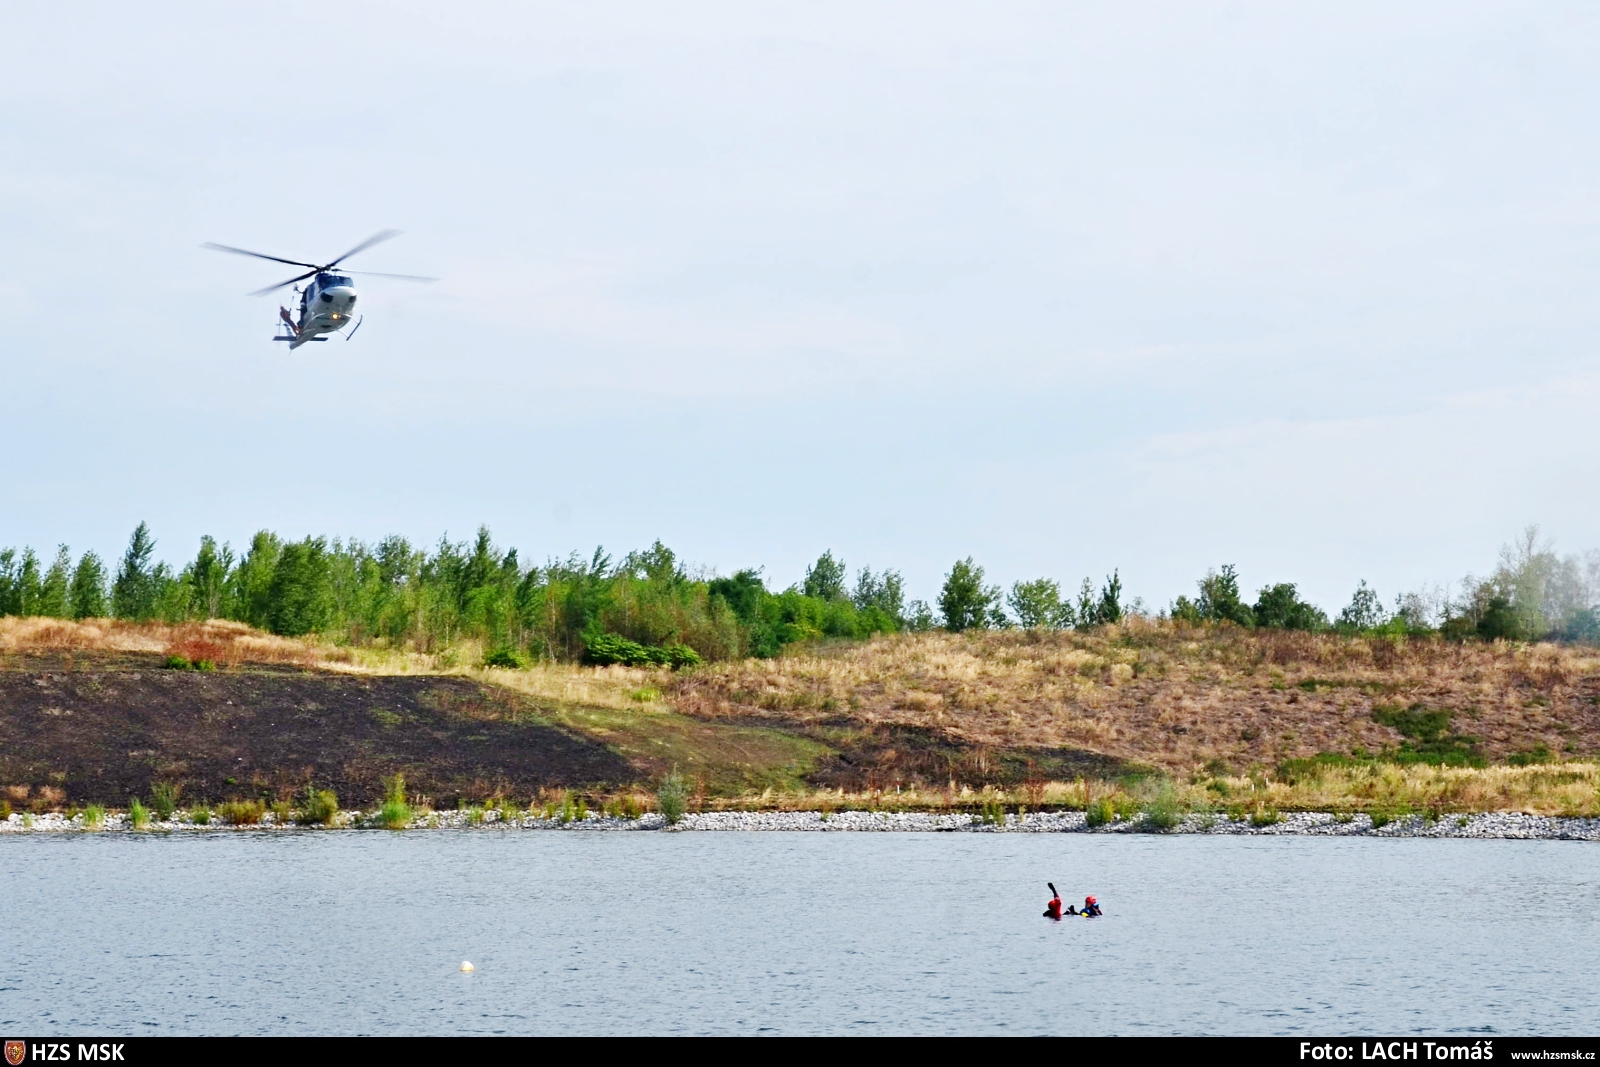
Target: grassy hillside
(1175, 697)
(1145, 715)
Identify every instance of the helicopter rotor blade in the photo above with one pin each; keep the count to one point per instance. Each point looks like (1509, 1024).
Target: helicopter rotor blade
(291, 281)
(380, 236)
(259, 255)
(402, 277)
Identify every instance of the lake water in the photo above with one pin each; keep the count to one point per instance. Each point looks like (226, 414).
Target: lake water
(793, 933)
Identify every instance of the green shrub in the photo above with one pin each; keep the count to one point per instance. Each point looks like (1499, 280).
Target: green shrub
(1380, 818)
(5, 810)
(504, 657)
(1163, 812)
(1265, 816)
(1099, 812)
(320, 807)
(200, 815)
(1280, 607)
(681, 656)
(604, 650)
(94, 817)
(395, 813)
(993, 812)
(672, 797)
(182, 663)
(282, 812)
(164, 799)
(138, 814)
(573, 808)
(241, 812)
(626, 806)
(1531, 757)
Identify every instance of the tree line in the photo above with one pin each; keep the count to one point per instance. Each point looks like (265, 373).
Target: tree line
(647, 607)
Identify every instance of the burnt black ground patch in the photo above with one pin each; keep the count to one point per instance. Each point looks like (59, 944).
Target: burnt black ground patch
(104, 735)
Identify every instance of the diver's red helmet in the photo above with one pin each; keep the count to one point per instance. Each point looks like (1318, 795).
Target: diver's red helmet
(1088, 900)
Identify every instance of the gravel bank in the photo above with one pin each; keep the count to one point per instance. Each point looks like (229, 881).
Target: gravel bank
(1509, 825)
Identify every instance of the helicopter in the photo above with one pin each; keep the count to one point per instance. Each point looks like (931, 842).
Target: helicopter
(328, 303)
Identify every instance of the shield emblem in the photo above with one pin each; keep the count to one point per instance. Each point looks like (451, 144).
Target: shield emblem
(15, 1051)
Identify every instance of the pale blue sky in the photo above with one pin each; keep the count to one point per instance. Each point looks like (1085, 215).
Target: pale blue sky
(1066, 287)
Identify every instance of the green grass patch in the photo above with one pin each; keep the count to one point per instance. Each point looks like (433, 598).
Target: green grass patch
(626, 806)
(200, 815)
(394, 813)
(733, 760)
(1313, 768)
(1099, 812)
(672, 796)
(1265, 815)
(1383, 816)
(241, 812)
(992, 812)
(164, 799)
(1162, 811)
(385, 718)
(1428, 738)
(138, 814)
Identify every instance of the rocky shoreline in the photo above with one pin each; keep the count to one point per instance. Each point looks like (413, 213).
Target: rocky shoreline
(1502, 825)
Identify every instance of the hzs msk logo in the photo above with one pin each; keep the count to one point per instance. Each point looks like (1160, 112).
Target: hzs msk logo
(15, 1050)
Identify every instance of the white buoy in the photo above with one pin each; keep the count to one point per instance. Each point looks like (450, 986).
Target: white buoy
(467, 966)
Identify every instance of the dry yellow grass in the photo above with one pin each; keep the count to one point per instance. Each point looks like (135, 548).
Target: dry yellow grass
(223, 642)
(227, 643)
(1169, 696)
